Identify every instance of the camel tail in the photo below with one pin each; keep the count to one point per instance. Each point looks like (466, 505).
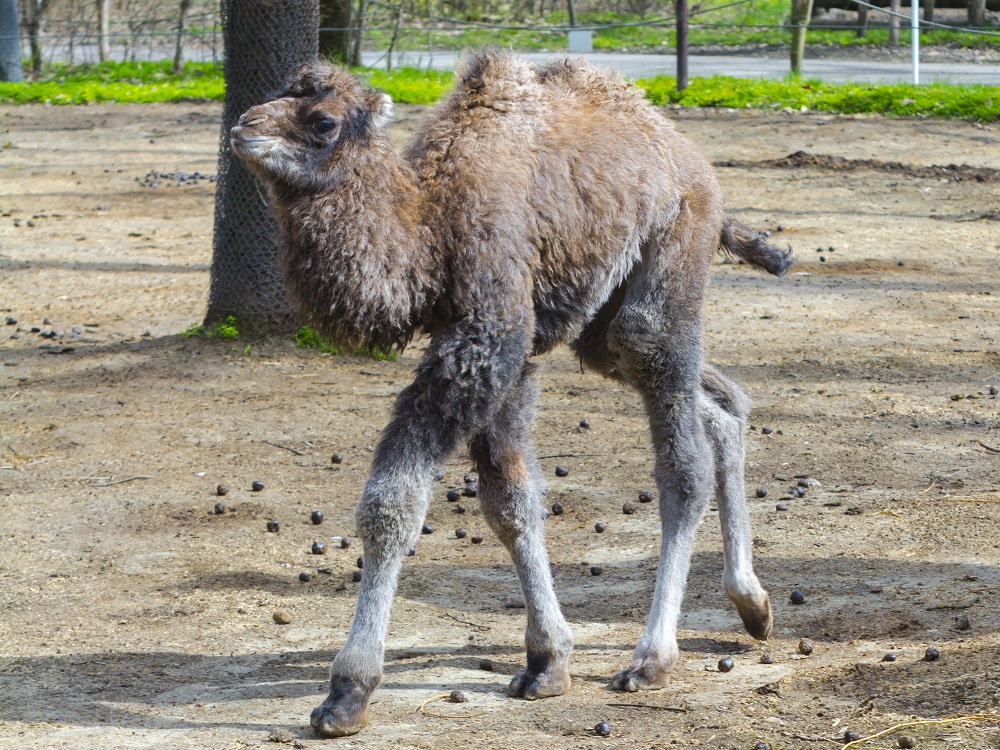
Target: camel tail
(740, 240)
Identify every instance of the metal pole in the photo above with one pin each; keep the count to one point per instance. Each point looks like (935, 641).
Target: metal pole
(915, 39)
(682, 45)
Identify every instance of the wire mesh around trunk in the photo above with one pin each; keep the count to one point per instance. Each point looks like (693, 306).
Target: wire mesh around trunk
(265, 41)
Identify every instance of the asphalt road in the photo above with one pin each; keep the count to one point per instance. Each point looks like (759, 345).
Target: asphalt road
(637, 66)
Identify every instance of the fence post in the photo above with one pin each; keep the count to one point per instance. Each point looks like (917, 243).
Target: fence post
(682, 45)
(801, 13)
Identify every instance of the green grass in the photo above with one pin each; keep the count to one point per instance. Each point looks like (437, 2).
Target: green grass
(220, 329)
(968, 102)
(308, 338)
(145, 82)
(410, 85)
(118, 82)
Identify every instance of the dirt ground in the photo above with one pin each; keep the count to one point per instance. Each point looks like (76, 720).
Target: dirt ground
(132, 616)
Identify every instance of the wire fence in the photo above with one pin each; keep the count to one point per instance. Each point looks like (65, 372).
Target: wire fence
(77, 41)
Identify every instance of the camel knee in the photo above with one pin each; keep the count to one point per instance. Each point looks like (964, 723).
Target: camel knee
(389, 509)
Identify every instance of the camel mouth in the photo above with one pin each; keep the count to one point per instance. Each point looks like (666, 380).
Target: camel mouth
(245, 144)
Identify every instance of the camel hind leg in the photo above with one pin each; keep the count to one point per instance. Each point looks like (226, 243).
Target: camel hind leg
(656, 336)
(724, 412)
(510, 493)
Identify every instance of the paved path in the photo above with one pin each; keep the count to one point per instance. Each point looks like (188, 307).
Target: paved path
(636, 66)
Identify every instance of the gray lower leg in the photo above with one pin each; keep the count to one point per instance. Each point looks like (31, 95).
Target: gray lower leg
(724, 422)
(684, 476)
(454, 392)
(392, 505)
(510, 492)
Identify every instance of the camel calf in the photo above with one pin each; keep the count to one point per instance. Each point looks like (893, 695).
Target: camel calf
(538, 206)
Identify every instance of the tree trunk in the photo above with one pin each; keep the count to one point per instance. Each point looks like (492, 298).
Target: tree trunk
(357, 32)
(335, 18)
(571, 7)
(928, 10)
(179, 47)
(103, 24)
(265, 41)
(395, 36)
(801, 13)
(977, 12)
(10, 43)
(862, 21)
(34, 12)
(894, 22)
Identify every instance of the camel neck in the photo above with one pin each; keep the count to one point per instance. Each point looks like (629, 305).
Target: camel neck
(358, 252)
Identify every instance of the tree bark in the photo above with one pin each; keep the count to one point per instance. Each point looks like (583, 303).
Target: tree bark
(894, 22)
(977, 12)
(357, 32)
(179, 46)
(928, 10)
(335, 18)
(862, 21)
(103, 25)
(265, 41)
(801, 13)
(10, 43)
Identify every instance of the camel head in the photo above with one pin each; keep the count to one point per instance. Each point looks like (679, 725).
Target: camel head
(324, 115)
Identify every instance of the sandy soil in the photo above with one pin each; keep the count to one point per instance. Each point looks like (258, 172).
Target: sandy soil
(132, 616)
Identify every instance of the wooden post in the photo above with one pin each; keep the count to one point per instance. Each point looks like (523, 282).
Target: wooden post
(801, 13)
(103, 24)
(977, 13)
(179, 46)
(682, 45)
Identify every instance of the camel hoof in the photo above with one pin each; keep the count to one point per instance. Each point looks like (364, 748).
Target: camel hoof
(757, 616)
(344, 712)
(646, 676)
(532, 685)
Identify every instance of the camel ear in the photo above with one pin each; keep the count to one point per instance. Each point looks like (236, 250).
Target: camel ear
(381, 107)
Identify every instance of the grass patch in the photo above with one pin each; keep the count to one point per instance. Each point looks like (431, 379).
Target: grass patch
(118, 82)
(968, 102)
(410, 85)
(147, 82)
(308, 338)
(220, 329)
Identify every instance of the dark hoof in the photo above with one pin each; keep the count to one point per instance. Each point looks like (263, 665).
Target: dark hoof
(757, 617)
(534, 685)
(646, 676)
(344, 712)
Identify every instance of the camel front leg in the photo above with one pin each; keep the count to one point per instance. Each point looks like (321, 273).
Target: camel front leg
(393, 504)
(462, 381)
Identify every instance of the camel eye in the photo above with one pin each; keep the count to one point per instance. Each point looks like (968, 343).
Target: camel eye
(323, 126)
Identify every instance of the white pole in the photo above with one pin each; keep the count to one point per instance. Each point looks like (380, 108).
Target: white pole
(915, 39)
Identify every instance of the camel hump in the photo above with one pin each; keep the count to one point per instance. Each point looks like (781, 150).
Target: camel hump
(493, 76)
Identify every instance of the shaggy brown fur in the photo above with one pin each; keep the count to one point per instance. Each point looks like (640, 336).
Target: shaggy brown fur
(538, 206)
